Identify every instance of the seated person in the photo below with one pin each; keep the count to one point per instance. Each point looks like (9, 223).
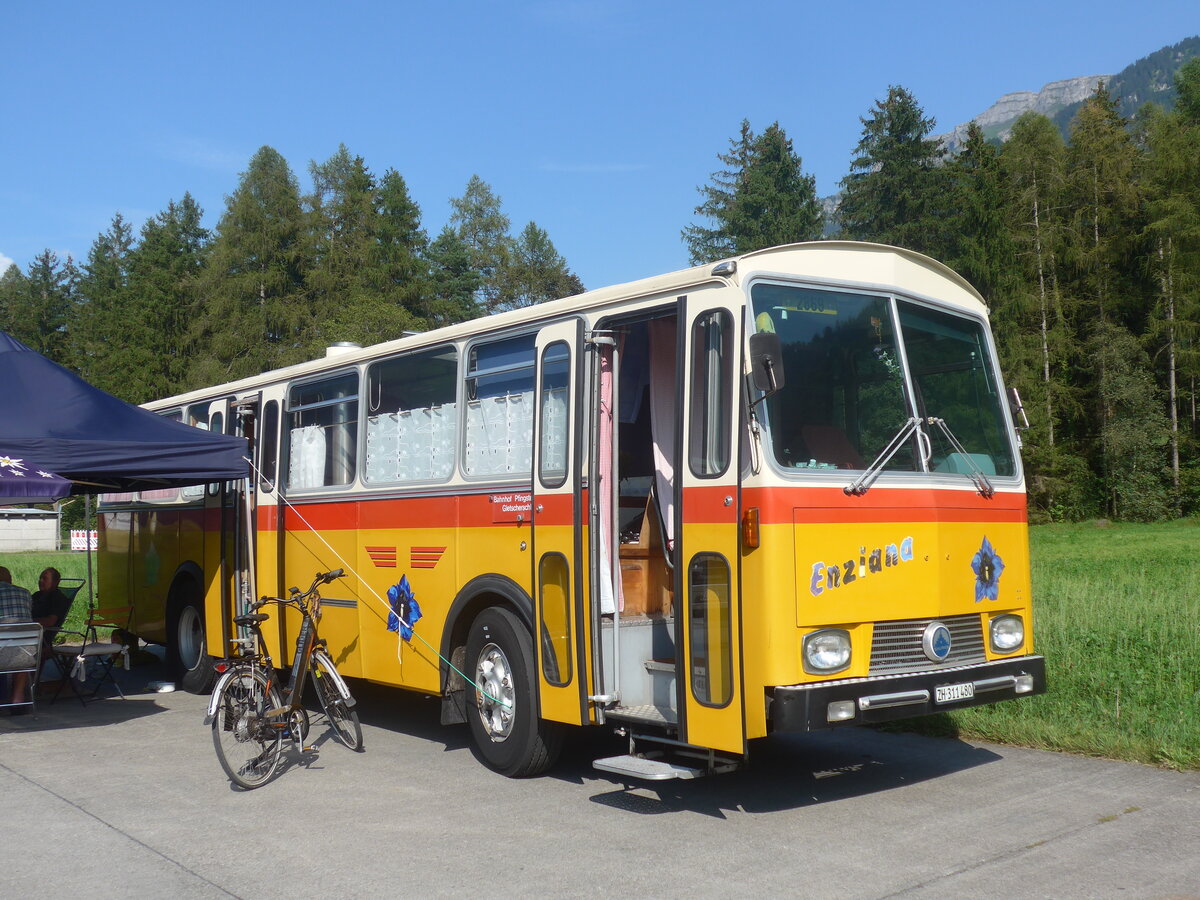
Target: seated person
(16, 605)
(50, 605)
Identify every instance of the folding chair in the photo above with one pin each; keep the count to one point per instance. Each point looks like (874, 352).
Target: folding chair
(20, 652)
(70, 588)
(73, 659)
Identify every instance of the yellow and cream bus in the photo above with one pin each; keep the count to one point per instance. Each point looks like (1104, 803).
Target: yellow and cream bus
(778, 493)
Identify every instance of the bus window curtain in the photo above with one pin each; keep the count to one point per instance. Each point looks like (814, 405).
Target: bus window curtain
(663, 382)
(611, 594)
(307, 457)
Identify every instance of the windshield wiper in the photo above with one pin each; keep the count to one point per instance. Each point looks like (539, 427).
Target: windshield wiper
(863, 482)
(977, 474)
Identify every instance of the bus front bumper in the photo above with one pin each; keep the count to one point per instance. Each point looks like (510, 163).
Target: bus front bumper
(864, 701)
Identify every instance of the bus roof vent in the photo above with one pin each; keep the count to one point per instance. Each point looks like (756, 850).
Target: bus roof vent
(341, 347)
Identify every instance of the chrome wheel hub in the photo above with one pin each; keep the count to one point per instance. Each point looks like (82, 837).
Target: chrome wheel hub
(495, 693)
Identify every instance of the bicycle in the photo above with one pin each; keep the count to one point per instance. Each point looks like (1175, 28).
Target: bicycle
(250, 717)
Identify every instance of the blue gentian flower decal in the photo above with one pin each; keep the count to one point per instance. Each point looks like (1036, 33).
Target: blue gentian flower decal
(405, 609)
(988, 567)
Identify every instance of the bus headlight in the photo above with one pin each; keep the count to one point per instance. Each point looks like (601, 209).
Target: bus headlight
(826, 651)
(1008, 633)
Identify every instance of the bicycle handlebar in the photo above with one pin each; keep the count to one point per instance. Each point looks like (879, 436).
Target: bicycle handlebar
(321, 578)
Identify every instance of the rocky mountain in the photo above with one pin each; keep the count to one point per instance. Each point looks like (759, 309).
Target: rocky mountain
(1149, 80)
(997, 120)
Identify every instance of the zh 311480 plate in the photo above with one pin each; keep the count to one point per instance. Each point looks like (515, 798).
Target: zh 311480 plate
(948, 693)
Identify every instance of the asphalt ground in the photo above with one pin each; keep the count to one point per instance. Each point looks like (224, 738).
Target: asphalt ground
(125, 798)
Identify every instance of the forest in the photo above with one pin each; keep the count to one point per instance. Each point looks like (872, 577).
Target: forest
(1085, 247)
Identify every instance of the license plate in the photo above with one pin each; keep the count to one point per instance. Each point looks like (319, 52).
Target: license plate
(948, 693)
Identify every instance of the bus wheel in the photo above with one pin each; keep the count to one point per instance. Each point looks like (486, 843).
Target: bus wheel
(509, 735)
(187, 648)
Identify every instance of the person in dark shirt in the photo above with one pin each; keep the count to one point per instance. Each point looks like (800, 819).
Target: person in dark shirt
(50, 605)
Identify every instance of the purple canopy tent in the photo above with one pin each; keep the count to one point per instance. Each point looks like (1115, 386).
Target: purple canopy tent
(100, 443)
(23, 482)
(96, 442)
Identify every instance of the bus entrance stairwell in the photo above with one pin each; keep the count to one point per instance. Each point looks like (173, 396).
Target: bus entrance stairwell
(634, 433)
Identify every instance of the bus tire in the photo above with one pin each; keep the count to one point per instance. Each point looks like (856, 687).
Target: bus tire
(187, 646)
(509, 735)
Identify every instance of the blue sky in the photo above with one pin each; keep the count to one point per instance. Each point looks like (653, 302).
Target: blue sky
(597, 120)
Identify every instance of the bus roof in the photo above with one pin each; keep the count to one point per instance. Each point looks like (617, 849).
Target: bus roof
(848, 263)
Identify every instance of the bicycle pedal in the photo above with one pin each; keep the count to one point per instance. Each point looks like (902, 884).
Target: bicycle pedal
(277, 711)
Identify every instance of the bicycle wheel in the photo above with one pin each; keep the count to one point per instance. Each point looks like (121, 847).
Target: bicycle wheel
(248, 746)
(343, 719)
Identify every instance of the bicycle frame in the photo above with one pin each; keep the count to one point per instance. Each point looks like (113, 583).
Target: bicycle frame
(307, 643)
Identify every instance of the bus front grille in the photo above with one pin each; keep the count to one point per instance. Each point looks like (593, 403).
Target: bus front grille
(896, 646)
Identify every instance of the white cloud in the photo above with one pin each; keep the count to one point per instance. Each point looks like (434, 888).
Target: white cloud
(5, 262)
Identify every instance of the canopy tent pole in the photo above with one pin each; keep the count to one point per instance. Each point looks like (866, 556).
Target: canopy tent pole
(87, 540)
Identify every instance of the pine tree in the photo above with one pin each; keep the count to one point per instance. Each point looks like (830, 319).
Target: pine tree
(1172, 176)
(97, 331)
(709, 244)
(979, 244)
(893, 193)
(342, 219)
(454, 282)
(764, 201)
(481, 224)
(401, 243)
(1105, 201)
(12, 293)
(365, 284)
(39, 304)
(1103, 194)
(164, 270)
(1134, 432)
(537, 272)
(253, 314)
(1033, 160)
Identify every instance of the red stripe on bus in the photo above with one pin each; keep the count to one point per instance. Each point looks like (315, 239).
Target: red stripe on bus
(705, 504)
(816, 505)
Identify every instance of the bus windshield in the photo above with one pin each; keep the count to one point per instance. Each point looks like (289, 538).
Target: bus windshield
(846, 393)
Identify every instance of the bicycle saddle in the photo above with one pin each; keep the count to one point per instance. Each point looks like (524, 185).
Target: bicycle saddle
(251, 619)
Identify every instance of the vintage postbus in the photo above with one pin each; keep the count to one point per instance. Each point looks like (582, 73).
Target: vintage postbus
(778, 493)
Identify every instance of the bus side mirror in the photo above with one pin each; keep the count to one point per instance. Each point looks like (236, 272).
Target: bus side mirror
(766, 361)
(1017, 409)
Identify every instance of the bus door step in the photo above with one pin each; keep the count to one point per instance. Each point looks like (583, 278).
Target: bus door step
(647, 714)
(646, 769)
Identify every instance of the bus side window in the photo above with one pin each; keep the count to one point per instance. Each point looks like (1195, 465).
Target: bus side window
(499, 401)
(322, 432)
(555, 414)
(712, 401)
(268, 445)
(710, 629)
(412, 418)
(197, 417)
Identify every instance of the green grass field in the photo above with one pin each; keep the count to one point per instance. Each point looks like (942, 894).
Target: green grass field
(27, 567)
(1117, 616)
